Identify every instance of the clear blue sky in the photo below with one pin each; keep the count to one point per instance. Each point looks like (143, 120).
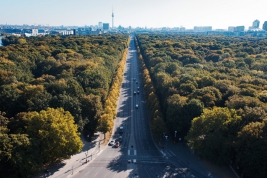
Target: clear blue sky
(135, 13)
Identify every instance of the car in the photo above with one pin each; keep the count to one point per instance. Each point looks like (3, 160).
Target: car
(134, 161)
(136, 82)
(117, 144)
(111, 143)
(121, 130)
(138, 92)
(119, 139)
(129, 161)
(134, 92)
(138, 88)
(136, 106)
(134, 79)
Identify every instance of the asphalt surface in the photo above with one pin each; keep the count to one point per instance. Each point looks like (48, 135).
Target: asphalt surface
(137, 143)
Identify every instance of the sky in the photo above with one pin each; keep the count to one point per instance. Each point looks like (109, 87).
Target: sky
(135, 13)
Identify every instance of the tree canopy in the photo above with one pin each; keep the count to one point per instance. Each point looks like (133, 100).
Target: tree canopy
(195, 76)
(52, 88)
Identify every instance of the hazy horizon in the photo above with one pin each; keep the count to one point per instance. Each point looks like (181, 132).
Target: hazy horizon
(135, 13)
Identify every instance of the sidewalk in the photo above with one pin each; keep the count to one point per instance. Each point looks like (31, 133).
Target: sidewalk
(205, 167)
(77, 162)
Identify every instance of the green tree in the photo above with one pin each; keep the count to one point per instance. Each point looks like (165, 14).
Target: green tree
(3, 123)
(212, 134)
(252, 114)
(19, 156)
(74, 88)
(10, 100)
(68, 103)
(206, 81)
(174, 113)
(210, 96)
(91, 111)
(251, 150)
(186, 89)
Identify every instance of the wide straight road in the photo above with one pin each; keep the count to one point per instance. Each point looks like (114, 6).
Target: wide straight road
(137, 143)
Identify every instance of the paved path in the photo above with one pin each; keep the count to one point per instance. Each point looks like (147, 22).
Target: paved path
(67, 168)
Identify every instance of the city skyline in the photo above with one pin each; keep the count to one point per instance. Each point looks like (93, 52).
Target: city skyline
(148, 13)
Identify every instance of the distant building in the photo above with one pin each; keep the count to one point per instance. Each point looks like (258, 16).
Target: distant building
(34, 32)
(62, 32)
(100, 25)
(83, 31)
(239, 28)
(202, 28)
(231, 29)
(256, 24)
(219, 30)
(264, 26)
(105, 26)
(182, 29)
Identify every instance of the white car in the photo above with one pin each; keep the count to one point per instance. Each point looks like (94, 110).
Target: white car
(112, 143)
(134, 161)
(136, 106)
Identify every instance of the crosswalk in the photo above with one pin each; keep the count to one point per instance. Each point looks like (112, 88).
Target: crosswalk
(132, 152)
(169, 153)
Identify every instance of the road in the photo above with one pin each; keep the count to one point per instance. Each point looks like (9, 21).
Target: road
(137, 141)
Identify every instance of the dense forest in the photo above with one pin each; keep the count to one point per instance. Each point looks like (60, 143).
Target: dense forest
(213, 92)
(53, 88)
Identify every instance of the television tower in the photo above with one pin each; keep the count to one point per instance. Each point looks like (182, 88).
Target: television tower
(112, 18)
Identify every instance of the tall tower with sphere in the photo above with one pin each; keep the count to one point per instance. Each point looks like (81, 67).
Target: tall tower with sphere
(112, 18)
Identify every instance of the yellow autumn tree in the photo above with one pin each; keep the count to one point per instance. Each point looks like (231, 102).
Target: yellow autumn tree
(55, 132)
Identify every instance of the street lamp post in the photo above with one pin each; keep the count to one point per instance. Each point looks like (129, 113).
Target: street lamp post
(175, 132)
(86, 153)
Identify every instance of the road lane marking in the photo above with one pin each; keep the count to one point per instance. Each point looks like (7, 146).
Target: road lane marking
(163, 153)
(128, 152)
(167, 153)
(95, 174)
(172, 153)
(134, 152)
(153, 162)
